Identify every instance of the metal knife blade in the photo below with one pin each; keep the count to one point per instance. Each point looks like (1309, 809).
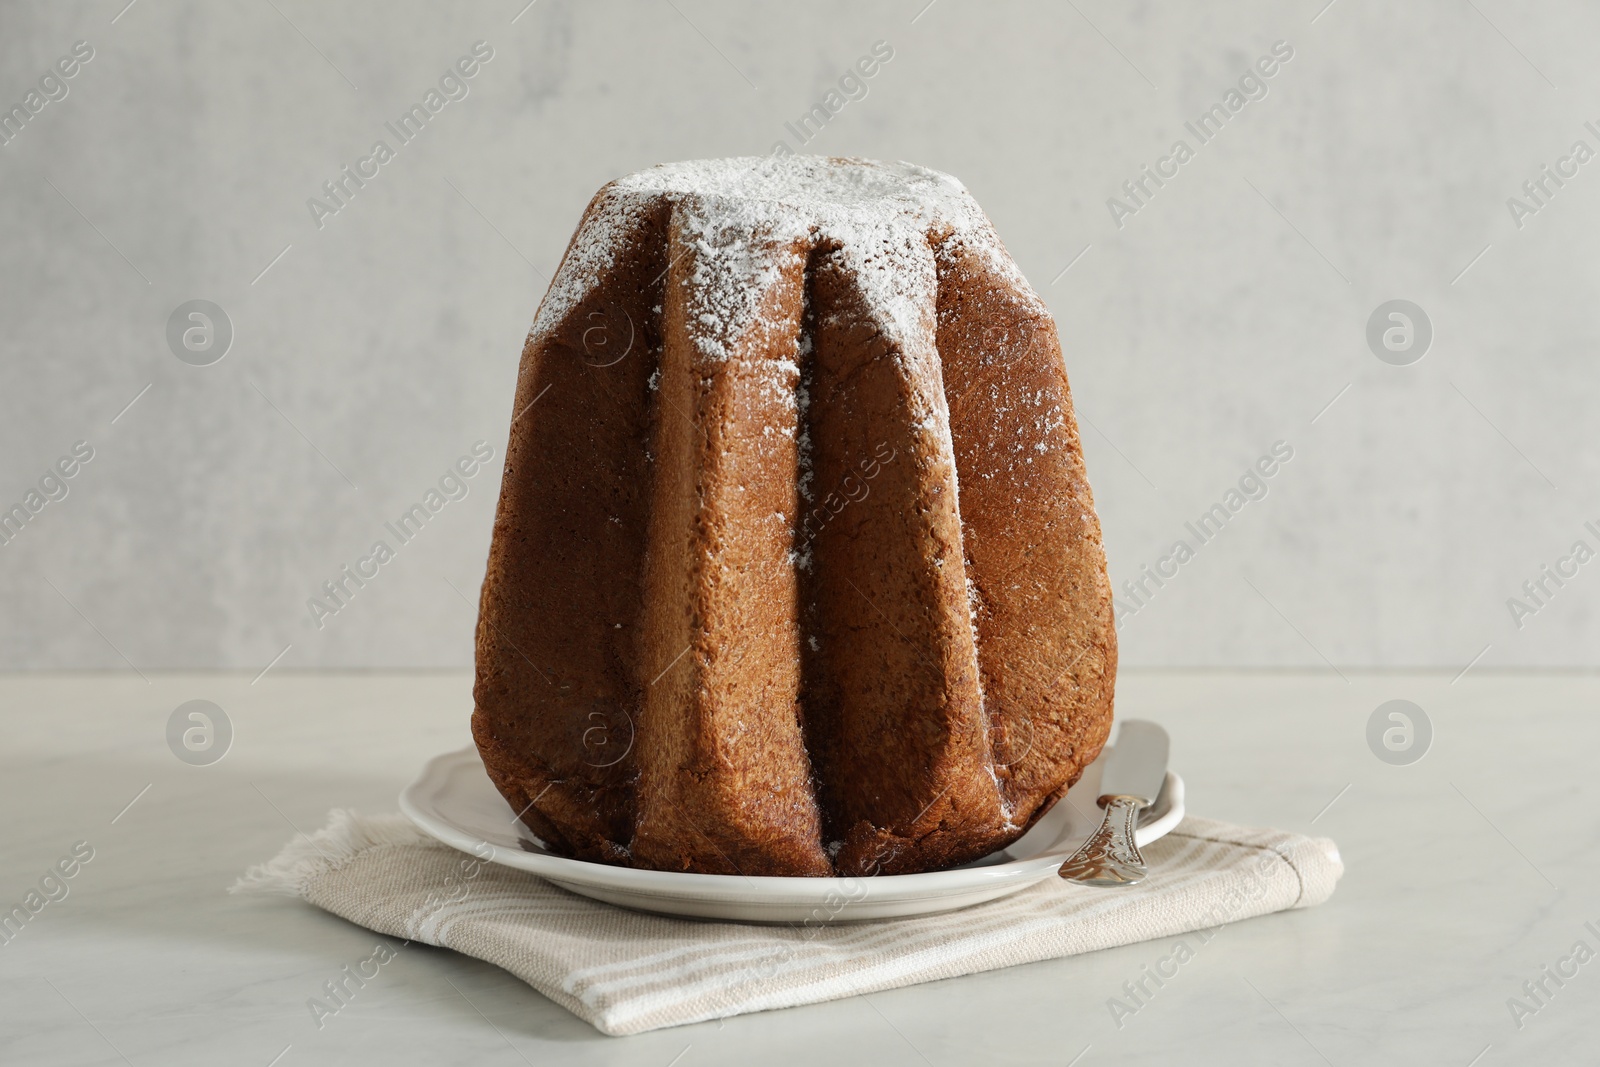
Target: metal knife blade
(1137, 765)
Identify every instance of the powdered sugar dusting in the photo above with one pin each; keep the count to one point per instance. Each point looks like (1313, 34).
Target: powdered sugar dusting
(736, 253)
(593, 251)
(741, 216)
(815, 184)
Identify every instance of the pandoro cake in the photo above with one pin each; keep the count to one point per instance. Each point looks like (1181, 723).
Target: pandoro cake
(796, 569)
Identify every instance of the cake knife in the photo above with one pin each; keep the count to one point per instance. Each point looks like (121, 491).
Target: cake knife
(1133, 775)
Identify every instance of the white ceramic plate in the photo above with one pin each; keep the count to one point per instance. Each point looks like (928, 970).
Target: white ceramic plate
(454, 801)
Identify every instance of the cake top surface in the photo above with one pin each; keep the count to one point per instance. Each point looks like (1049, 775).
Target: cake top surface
(818, 183)
(738, 212)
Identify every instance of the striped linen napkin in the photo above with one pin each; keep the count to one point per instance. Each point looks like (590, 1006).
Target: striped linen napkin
(626, 972)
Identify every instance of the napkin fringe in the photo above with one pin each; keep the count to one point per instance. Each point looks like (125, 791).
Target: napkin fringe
(304, 859)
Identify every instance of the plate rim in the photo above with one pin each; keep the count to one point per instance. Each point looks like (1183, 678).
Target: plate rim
(738, 888)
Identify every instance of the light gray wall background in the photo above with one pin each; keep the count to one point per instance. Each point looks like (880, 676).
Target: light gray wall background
(1224, 316)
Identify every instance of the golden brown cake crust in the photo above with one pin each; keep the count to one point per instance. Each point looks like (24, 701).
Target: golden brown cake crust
(796, 570)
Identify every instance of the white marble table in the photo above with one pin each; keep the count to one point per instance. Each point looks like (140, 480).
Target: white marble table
(1468, 873)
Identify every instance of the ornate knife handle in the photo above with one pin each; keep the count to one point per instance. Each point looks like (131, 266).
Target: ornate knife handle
(1110, 857)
